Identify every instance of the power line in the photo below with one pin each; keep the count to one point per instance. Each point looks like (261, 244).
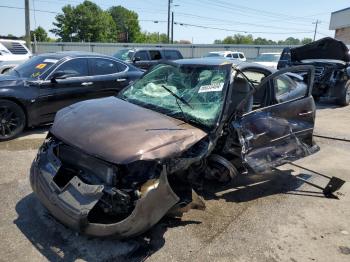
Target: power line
(236, 22)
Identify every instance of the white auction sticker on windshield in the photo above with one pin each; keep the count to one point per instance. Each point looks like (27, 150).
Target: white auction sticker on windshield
(211, 88)
(50, 61)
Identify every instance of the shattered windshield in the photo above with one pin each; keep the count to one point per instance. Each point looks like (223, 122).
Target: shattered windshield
(193, 93)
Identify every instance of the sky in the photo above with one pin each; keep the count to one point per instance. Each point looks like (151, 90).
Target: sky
(209, 20)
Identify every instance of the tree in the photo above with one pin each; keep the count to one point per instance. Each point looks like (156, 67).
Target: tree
(40, 34)
(306, 40)
(237, 39)
(289, 41)
(126, 23)
(263, 41)
(85, 22)
(151, 38)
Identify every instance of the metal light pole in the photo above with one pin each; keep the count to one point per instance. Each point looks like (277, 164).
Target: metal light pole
(27, 24)
(172, 27)
(168, 31)
(316, 24)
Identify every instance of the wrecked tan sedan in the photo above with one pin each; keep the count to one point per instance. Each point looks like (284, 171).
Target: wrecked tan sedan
(117, 165)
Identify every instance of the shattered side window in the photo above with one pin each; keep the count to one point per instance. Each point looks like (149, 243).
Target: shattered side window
(193, 93)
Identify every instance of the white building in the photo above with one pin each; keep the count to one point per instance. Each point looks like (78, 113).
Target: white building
(340, 22)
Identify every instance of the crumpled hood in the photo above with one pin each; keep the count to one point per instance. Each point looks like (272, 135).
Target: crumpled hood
(121, 132)
(10, 81)
(325, 48)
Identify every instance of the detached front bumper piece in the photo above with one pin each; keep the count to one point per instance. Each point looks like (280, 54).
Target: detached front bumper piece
(72, 203)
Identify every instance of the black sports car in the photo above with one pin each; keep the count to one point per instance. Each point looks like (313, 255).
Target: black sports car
(32, 93)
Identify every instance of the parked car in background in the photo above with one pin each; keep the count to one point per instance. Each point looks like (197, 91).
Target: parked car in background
(12, 53)
(145, 58)
(268, 59)
(115, 166)
(227, 54)
(32, 93)
(331, 59)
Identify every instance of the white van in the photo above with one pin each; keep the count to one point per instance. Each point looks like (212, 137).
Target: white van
(12, 53)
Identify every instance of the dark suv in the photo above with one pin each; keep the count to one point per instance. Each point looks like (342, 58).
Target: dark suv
(145, 58)
(331, 60)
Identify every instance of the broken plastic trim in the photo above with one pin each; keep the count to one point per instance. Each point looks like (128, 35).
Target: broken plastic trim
(72, 204)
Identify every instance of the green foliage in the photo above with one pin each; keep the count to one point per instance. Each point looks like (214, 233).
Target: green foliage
(152, 38)
(306, 40)
(85, 22)
(126, 23)
(236, 39)
(40, 35)
(249, 40)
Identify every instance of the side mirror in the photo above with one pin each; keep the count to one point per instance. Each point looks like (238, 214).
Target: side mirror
(136, 59)
(60, 75)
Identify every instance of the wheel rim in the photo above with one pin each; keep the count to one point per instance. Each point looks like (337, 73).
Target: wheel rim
(347, 96)
(9, 121)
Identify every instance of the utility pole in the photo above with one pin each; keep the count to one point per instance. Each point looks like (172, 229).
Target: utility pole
(27, 24)
(316, 24)
(172, 27)
(168, 34)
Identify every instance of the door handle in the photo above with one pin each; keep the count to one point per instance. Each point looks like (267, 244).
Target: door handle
(87, 83)
(305, 113)
(121, 79)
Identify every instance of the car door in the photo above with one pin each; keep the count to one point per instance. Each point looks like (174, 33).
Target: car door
(142, 59)
(73, 85)
(108, 76)
(280, 132)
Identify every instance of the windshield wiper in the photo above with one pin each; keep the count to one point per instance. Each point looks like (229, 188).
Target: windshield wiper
(177, 97)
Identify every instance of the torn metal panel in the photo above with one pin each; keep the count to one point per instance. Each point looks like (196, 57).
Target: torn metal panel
(270, 136)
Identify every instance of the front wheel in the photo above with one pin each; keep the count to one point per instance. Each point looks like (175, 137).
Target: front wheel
(12, 119)
(344, 98)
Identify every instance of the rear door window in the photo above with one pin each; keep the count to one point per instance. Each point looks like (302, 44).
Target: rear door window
(235, 55)
(143, 55)
(172, 55)
(77, 67)
(100, 66)
(155, 55)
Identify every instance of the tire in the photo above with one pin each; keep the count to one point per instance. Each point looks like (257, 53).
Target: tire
(344, 98)
(12, 120)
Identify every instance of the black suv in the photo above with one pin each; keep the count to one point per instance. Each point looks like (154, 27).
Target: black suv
(331, 60)
(145, 58)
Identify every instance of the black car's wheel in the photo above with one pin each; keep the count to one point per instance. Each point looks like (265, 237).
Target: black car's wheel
(12, 119)
(344, 98)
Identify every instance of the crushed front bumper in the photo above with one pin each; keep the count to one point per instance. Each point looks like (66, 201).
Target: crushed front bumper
(72, 203)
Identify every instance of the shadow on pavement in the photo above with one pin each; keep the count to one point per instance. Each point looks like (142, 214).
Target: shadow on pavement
(56, 242)
(326, 105)
(251, 187)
